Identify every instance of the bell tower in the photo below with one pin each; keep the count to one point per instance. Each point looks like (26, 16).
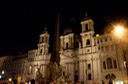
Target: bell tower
(43, 45)
(87, 31)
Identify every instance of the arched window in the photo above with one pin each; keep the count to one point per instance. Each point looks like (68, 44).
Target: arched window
(66, 45)
(40, 51)
(109, 63)
(86, 27)
(87, 42)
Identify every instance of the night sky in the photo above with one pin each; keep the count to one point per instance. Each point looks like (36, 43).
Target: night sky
(21, 22)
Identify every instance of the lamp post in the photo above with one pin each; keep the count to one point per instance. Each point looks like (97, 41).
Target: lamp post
(3, 72)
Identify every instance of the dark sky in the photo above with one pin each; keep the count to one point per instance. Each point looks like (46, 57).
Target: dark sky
(22, 21)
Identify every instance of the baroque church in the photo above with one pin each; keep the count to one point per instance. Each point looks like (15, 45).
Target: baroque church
(92, 59)
(88, 58)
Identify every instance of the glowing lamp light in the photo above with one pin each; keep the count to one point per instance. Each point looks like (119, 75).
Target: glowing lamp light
(3, 72)
(118, 30)
(97, 35)
(119, 82)
(10, 79)
(0, 76)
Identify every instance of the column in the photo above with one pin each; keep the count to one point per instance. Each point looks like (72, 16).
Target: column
(66, 69)
(85, 71)
(69, 42)
(43, 71)
(99, 69)
(83, 44)
(71, 70)
(84, 41)
(80, 70)
(92, 59)
(72, 41)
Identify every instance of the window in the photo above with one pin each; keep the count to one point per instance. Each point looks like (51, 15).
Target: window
(66, 45)
(104, 65)
(87, 42)
(86, 27)
(98, 41)
(105, 39)
(40, 51)
(101, 40)
(89, 66)
(89, 76)
(88, 50)
(77, 45)
(98, 48)
(114, 63)
(109, 63)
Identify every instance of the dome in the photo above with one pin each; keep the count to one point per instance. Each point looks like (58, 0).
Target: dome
(45, 30)
(86, 17)
(68, 31)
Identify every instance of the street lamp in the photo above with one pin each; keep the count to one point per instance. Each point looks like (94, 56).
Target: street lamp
(119, 32)
(3, 72)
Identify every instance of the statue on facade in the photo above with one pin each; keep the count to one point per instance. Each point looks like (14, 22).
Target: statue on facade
(38, 76)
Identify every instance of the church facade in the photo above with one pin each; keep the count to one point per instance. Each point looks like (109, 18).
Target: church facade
(85, 57)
